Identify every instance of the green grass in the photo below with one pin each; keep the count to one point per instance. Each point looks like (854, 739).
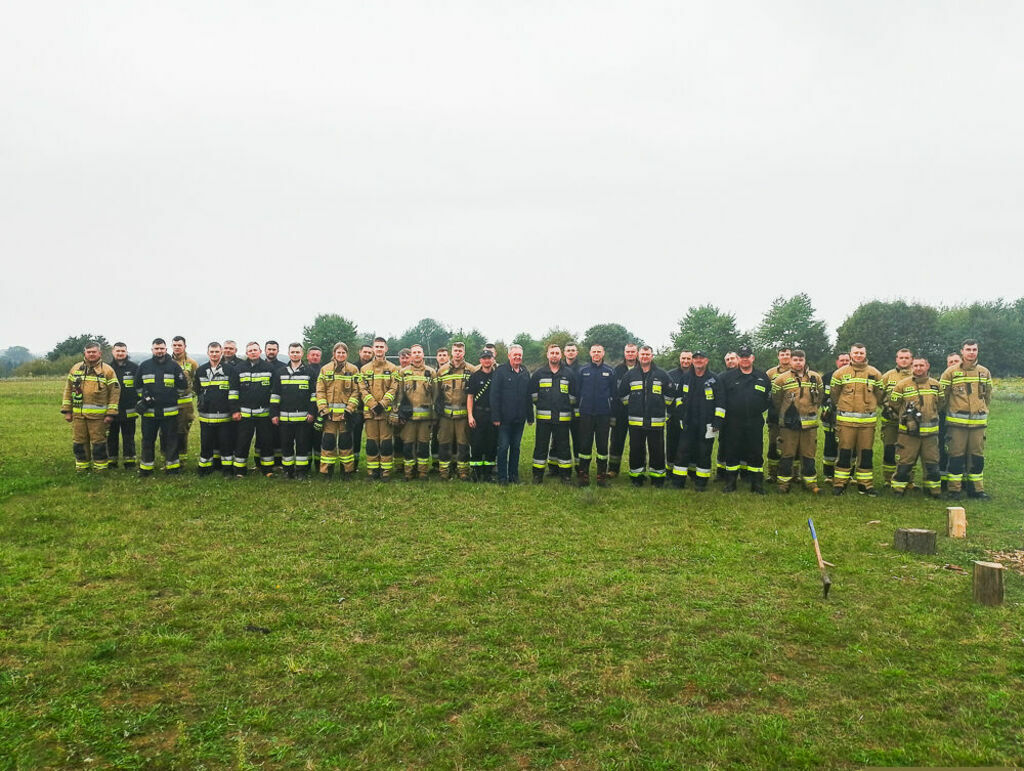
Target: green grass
(201, 623)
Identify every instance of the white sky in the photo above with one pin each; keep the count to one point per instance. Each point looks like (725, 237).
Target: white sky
(231, 169)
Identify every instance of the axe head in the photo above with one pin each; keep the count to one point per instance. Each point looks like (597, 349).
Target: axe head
(826, 584)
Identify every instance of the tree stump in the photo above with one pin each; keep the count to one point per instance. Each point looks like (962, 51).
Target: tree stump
(988, 583)
(956, 525)
(914, 540)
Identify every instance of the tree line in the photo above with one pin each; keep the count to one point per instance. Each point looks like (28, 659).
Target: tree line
(882, 325)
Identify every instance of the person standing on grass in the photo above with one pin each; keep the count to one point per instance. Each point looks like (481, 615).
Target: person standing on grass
(796, 396)
(483, 434)
(160, 381)
(967, 388)
(123, 426)
(259, 389)
(597, 395)
(747, 395)
(90, 404)
(511, 410)
(553, 390)
(216, 384)
(647, 393)
(619, 423)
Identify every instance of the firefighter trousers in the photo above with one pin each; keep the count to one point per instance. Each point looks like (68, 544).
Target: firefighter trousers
(216, 440)
(336, 446)
(89, 443)
(167, 430)
(122, 432)
(593, 435)
(380, 446)
(856, 443)
(966, 456)
(908, 450)
(799, 443)
(647, 452)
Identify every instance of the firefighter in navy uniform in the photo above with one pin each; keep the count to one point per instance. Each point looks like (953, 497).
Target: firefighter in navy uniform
(258, 388)
(186, 400)
(314, 355)
(294, 413)
(570, 360)
(700, 411)
(828, 423)
(672, 428)
(647, 393)
(483, 434)
(597, 396)
(619, 420)
(161, 382)
(90, 404)
(553, 391)
(747, 395)
(216, 384)
(122, 429)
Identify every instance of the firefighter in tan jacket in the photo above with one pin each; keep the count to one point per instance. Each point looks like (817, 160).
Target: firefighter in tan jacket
(774, 430)
(453, 433)
(415, 412)
(89, 404)
(337, 400)
(968, 390)
(856, 391)
(916, 402)
(797, 394)
(378, 382)
(890, 421)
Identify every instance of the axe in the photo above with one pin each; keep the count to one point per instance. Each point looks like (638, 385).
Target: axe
(826, 582)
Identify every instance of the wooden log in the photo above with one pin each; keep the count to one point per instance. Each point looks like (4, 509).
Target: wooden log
(988, 583)
(914, 540)
(956, 522)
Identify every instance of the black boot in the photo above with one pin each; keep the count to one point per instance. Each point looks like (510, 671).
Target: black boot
(757, 484)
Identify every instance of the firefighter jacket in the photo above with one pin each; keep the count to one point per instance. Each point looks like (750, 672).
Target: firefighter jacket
(125, 372)
(889, 381)
(298, 395)
(378, 383)
(337, 390)
(417, 391)
(553, 394)
(160, 381)
(796, 398)
(452, 388)
(647, 396)
(747, 396)
(596, 388)
(856, 391)
(917, 403)
(968, 392)
(92, 391)
(189, 367)
(699, 400)
(217, 388)
(510, 395)
(258, 388)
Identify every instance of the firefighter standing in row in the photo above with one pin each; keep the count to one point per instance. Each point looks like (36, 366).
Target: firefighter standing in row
(338, 402)
(161, 382)
(553, 391)
(259, 391)
(917, 402)
(414, 400)
(378, 382)
(356, 421)
(646, 392)
(676, 375)
(952, 360)
(890, 421)
(830, 452)
(620, 421)
(747, 394)
(483, 434)
(314, 356)
(967, 388)
(122, 430)
(856, 391)
(90, 404)
(774, 433)
(216, 384)
(186, 402)
(294, 413)
(700, 412)
(796, 396)
(453, 432)
(597, 397)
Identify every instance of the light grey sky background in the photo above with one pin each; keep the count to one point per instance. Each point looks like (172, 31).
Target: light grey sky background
(232, 169)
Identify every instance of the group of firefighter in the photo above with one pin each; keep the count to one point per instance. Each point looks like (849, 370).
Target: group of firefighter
(300, 416)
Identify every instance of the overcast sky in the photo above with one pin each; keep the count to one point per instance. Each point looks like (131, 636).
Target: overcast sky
(232, 169)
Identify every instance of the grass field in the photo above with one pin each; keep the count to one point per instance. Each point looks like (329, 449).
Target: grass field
(264, 623)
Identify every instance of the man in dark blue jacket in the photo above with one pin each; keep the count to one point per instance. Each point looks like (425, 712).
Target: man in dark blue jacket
(160, 381)
(511, 410)
(597, 387)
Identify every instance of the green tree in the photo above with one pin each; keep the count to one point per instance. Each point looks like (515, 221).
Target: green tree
(886, 326)
(706, 328)
(791, 323)
(474, 340)
(998, 327)
(328, 329)
(14, 357)
(74, 345)
(612, 336)
(429, 333)
(533, 350)
(558, 336)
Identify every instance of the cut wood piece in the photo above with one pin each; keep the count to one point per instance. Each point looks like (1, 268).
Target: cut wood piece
(914, 540)
(956, 526)
(988, 583)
